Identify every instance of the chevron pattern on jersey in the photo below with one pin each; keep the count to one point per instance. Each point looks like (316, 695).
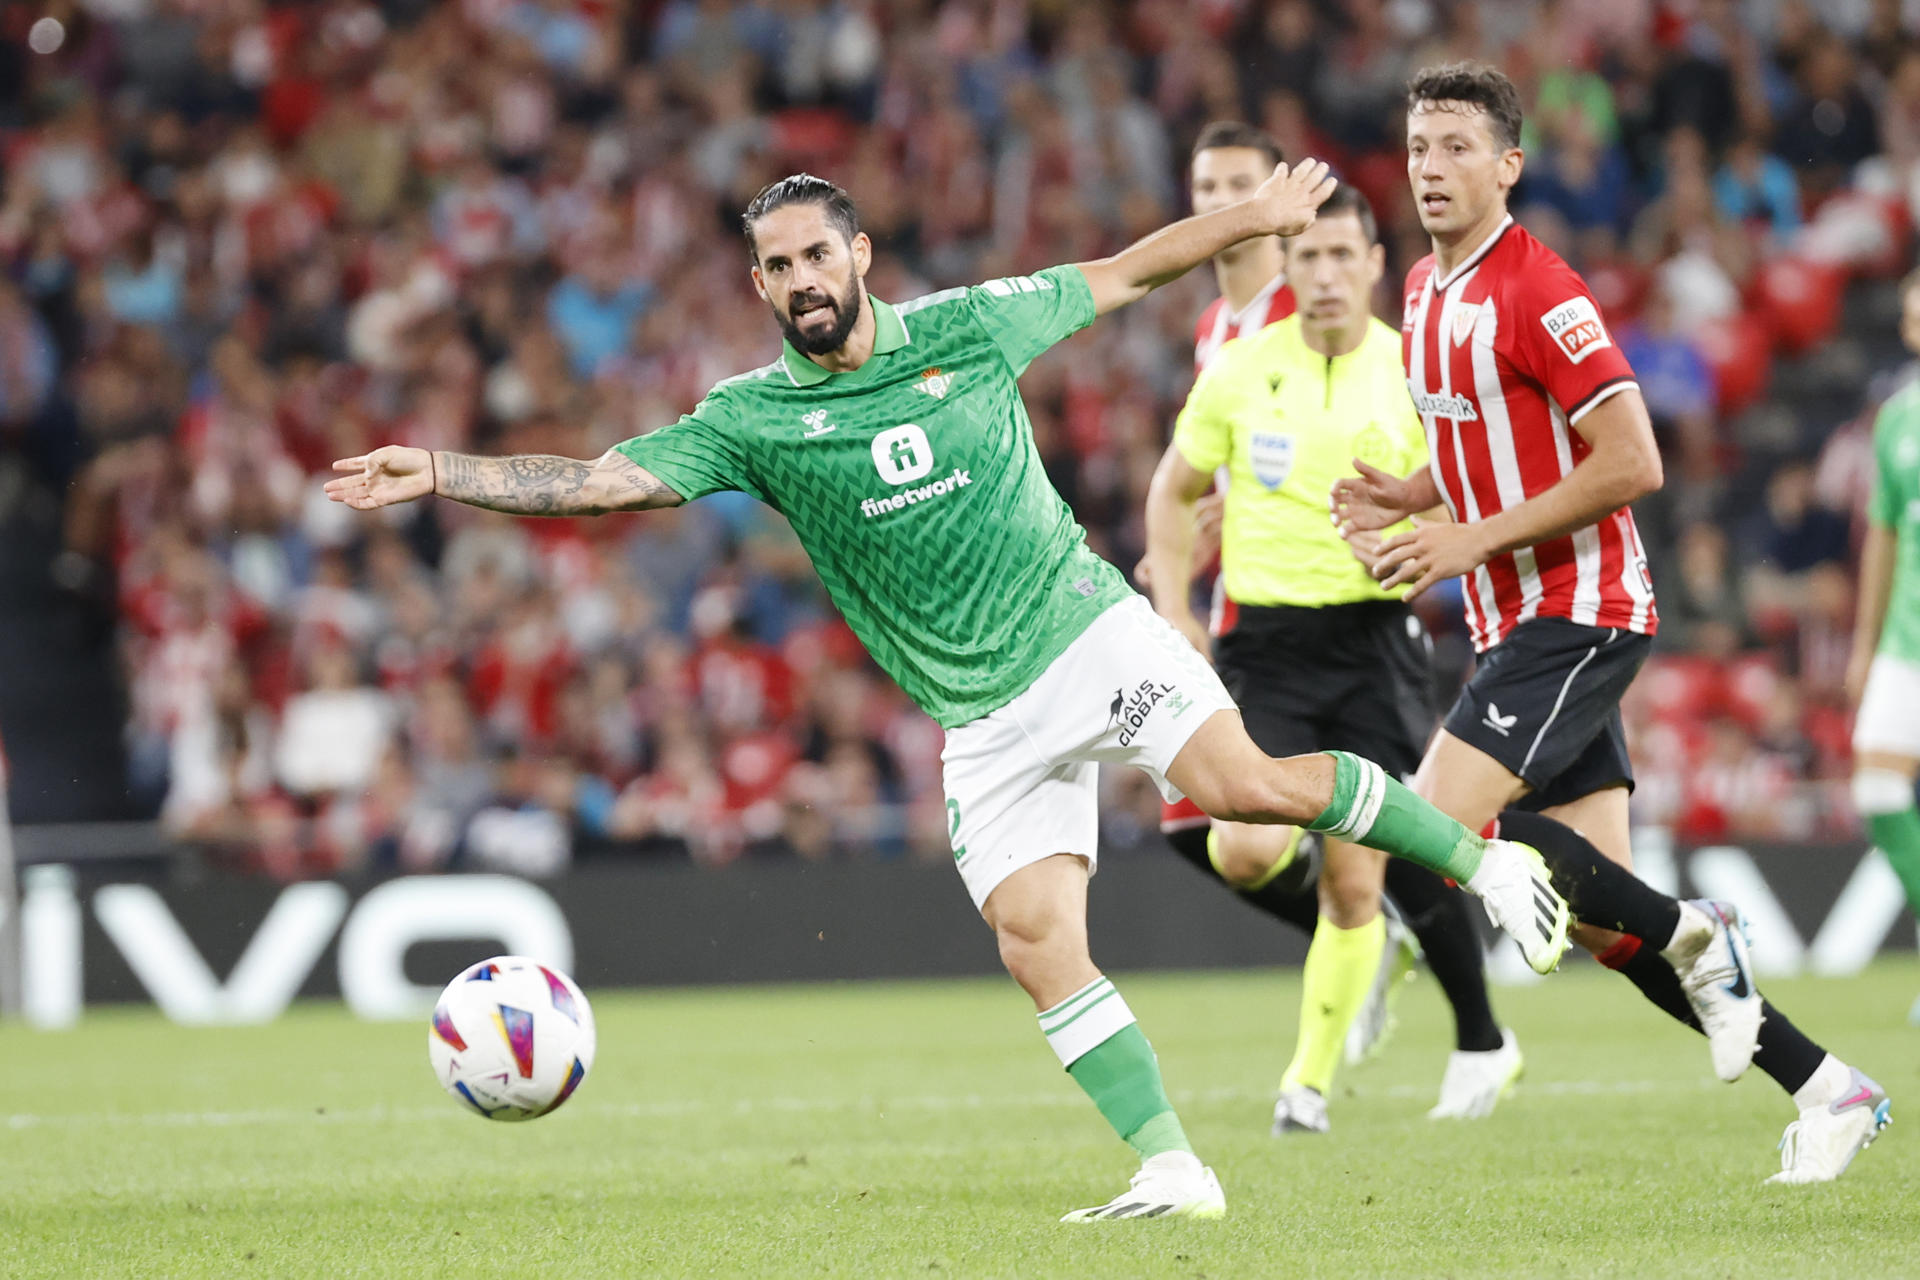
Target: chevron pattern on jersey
(916, 489)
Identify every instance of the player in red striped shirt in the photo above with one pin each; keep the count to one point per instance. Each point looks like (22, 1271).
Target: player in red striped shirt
(1539, 440)
(1275, 868)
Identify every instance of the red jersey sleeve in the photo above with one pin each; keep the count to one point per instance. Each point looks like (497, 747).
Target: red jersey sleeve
(1561, 340)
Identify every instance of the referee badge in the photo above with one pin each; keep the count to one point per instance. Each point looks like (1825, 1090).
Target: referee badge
(1271, 456)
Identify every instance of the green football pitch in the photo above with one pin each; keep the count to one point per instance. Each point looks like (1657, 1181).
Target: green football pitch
(924, 1130)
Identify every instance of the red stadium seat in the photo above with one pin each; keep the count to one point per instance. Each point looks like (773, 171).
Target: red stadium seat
(1800, 301)
(1739, 350)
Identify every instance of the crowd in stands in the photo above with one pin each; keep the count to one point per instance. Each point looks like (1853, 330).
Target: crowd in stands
(243, 239)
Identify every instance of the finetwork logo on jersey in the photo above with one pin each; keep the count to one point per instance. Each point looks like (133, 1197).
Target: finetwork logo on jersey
(902, 455)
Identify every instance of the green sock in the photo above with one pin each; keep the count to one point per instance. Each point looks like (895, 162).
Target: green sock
(1898, 836)
(1103, 1049)
(1341, 964)
(1372, 809)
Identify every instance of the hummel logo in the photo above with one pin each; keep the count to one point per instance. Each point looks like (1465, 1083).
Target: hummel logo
(817, 424)
(1502, 725)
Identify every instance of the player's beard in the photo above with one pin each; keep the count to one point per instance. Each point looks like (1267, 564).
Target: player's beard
(846, 313)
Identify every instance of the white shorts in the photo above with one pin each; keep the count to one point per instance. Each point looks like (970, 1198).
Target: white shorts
(1022, 782)
(1889, 718)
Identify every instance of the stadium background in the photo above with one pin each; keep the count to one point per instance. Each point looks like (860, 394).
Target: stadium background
(242, 239)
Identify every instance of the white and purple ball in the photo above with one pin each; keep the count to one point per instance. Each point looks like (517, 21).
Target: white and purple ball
(511, 1038)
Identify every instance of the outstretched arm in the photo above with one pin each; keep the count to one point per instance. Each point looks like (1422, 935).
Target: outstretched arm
(524, 485)
(1284, 205)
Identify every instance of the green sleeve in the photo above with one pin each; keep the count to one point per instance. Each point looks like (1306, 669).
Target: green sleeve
(1024, 315)
(1203, 433)
(697, 455)
(1883, 504)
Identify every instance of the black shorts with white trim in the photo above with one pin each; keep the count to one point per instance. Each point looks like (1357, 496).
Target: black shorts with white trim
(1345, 677)
(1545, 702)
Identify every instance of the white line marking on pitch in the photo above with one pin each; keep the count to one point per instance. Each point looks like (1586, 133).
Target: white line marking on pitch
(748, 1106)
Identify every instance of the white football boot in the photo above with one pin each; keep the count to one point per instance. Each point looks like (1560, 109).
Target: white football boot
(1713, 965)
(1373, 1025)
(1820, 1145)
(1476, 1080)
(1173, 1184)
(1513, 884)
(1300, 1110)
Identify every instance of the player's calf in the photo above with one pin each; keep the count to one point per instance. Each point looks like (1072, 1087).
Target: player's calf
(1038, 915)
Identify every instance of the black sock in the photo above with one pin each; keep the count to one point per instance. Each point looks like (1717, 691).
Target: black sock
(1785, 1053)
(1283, 897)
(1599, 890)
(1443, 919)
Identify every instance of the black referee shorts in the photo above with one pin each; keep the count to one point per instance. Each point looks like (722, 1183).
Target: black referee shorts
(1346, 677)
(1545, 702)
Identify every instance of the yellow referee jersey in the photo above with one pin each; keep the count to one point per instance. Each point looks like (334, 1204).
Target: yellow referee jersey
(1287, 422)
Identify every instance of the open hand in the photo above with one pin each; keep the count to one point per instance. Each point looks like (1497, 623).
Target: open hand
(393, 473)
(1371, 500)
(1290, 198)
(1429, 553)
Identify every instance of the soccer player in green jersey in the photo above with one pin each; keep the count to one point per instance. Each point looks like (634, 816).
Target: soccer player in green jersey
(1883, 680)
(894, 440)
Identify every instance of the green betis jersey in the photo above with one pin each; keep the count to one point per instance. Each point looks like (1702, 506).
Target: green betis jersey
(1895, 505)
(915, 487)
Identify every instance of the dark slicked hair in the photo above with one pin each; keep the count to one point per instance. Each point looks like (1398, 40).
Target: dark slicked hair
(1347, 199)
(1475, 84)
(1232, 133)
(802, 188)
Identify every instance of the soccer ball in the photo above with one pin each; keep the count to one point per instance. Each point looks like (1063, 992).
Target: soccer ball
(511, 1038)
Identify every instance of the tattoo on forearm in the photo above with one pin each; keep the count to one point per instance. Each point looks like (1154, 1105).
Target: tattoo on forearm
(544, 485)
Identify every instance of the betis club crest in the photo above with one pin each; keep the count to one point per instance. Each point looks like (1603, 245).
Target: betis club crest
(935, 383)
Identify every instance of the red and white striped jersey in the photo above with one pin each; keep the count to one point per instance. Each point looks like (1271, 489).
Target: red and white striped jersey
(1218, 326)
(1504, 355)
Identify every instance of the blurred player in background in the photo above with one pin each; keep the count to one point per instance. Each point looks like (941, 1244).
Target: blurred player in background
(1317, 654)
(1539, 441)
(1883, 680)
(895, 442)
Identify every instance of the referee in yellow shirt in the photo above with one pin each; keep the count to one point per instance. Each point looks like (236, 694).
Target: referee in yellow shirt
(1317, 655)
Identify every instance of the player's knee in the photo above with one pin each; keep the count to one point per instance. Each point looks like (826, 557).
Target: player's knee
(1349, 891)
(1878, 791)
(1242, 862)
(1036, 937)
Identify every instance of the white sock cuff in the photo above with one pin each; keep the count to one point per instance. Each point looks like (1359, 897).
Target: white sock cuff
(1085, 1020)
(1829, 1080)
(1693, 921)
(1881, 791)
(1368, 796)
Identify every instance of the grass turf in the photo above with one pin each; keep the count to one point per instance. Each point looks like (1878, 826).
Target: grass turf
(924, 1130)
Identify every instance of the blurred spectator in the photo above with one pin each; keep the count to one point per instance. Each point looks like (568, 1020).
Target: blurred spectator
(242, 241)
(593, 309)
(1756, 188)
(333, 735)
(1831, 128)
